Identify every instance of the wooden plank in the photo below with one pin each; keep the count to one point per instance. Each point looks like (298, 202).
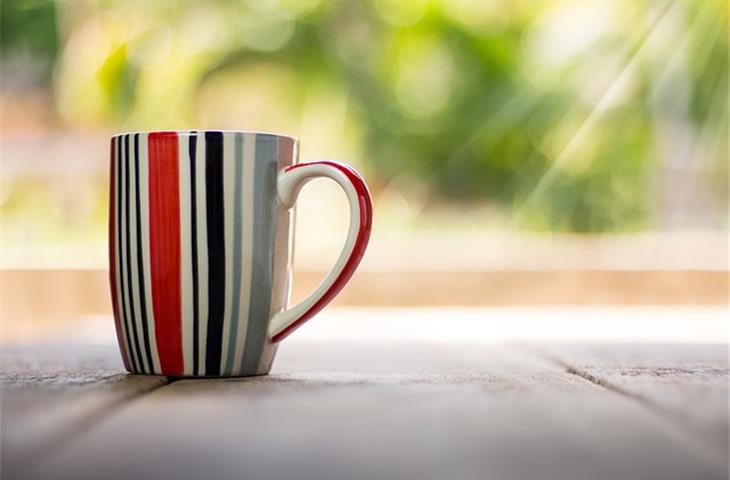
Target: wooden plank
(687, 383)
(69, 295)
(528, 287)
(52, 394)
(385, 410)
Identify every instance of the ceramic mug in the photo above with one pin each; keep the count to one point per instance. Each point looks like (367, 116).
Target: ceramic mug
(200, 248)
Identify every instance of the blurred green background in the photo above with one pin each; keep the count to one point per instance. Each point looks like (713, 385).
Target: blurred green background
(577, 116)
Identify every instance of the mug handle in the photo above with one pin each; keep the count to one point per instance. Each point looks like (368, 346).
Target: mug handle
(289, 183)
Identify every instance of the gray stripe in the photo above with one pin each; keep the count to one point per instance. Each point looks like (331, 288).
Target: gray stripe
(264, 228)
(237, 234)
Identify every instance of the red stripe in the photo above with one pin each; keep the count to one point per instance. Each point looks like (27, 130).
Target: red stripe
(358, 250)
(112, 253)
(164, 219)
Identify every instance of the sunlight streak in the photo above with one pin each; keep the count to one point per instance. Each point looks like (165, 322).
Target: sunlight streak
(548, 177)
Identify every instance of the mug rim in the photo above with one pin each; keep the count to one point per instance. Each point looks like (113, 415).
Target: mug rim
(191, 132)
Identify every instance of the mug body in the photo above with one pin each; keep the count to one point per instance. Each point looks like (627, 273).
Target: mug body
(199, 250)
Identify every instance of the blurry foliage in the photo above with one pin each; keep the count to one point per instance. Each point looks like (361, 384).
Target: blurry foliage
(29, 28)
(546, 108)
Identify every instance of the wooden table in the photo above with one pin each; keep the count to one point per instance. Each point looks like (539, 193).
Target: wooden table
(377, 409)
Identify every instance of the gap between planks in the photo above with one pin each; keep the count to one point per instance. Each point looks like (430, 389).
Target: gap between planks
(62, 437)
(672, 417)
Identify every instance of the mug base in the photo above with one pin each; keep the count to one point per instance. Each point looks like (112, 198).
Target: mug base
(262, 367)
(199, 377)
(218, 377)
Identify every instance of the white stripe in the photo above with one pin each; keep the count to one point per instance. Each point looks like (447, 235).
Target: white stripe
(229, 159)
(144, 209)
(202, 250)
(247, 217)
(186, 268)
(134, 253)
(123, 216)
(117, 249)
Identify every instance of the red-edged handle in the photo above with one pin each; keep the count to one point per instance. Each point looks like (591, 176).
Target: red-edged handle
(290, 182)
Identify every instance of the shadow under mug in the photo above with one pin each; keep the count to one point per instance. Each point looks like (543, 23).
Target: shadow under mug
(200, 248)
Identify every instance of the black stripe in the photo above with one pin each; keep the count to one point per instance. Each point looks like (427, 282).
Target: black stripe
(140, 258)
(194, 248)
(216, 250)
(130, 286)
(120, 265)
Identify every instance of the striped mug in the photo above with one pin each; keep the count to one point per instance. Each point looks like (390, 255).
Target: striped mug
(200, 248)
